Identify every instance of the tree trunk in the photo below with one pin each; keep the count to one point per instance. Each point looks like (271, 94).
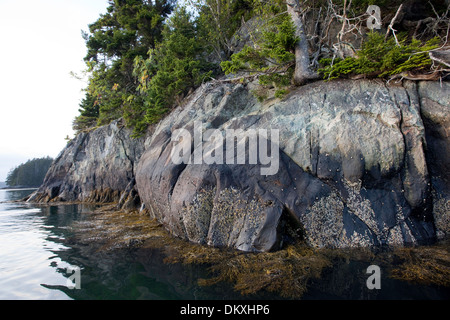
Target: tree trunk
(302, 71)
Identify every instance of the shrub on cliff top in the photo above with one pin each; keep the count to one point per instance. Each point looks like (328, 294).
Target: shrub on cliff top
(271, 55)
(380, 58)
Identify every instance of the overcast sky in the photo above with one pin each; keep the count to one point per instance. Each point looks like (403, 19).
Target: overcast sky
(40, 44)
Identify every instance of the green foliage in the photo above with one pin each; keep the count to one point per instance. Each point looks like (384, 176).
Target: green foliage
(278, 43)
(175, 66)
(126, 31)
(380, 58)
(275, 48)
(134, 113)
(30, 173)
(140, 63)
(89, 113)
(409, 57)
(280, 93)
(272, 54)
(218, 20)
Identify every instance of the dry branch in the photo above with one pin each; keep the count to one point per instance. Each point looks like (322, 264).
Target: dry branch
(391, 25)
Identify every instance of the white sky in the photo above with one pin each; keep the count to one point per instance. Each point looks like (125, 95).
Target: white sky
(40, 44)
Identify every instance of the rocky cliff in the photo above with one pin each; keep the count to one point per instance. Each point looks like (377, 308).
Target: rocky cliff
(358, 163)
(96, 166)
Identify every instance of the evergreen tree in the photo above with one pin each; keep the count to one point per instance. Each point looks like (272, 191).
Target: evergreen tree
(218, 22)
(141, 62)
(272, 53)
(89, 113)
(175, 66)
(126, 31)
(30, 173)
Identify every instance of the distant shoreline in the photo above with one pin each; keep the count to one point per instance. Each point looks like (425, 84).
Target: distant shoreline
(18, 188)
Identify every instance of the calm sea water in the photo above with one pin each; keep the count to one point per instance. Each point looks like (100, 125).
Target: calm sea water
(37, 251)
(37, 246)
(27, 251)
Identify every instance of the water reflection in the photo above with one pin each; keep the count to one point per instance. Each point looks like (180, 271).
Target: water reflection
(39, 243)
(25, 250)
(129, 273)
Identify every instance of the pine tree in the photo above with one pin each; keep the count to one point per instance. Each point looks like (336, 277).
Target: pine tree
(30, 173)
(127, 30)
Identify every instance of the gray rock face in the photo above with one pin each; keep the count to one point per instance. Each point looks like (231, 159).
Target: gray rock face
(358, 163)
(352, 170)
(435, 102)
(98, 166)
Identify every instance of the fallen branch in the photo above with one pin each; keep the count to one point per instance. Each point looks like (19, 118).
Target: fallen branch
(442, 56)
(425, 77)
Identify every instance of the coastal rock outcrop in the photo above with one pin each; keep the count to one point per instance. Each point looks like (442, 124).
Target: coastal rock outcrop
(352, 168)
(337, 164)
(96, 166)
